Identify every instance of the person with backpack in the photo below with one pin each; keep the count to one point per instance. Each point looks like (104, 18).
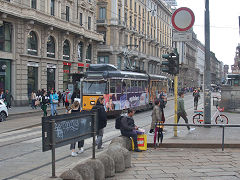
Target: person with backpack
(128, 128)
(196, 97)
(75, 108)
(53, 102)
(102, 121)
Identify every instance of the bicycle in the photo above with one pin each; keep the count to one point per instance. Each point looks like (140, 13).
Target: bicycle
(158, 133)
(220, 118)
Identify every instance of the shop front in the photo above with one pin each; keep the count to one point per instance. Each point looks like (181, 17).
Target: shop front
(5, 75)
(66, 72)
(51, 76)
(32, 77)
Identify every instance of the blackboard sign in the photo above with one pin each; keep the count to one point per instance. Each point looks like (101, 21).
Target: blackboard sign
(65, 129)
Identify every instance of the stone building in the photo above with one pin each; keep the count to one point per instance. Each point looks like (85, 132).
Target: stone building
(140, 29)
(42, 42)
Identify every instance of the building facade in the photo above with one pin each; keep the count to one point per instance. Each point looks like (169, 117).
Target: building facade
(200, 61)
(42, 42)
(136, 33)
(236, 66)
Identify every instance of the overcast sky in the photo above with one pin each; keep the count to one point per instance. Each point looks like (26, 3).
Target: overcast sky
(224, 29)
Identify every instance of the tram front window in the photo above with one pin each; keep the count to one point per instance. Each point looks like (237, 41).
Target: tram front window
(94, 87)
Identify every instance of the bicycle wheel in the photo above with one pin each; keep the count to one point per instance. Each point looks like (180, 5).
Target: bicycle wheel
(221, 119)
(198, 119)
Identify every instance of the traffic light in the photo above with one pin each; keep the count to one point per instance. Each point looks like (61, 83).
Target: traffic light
(171, 64)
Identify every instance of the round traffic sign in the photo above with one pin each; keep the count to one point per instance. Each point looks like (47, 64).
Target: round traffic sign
(183, 19)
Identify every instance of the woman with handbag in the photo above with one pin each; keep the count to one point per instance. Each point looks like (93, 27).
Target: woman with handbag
(53, 102)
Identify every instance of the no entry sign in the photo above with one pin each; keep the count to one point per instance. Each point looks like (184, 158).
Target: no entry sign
(183, 19)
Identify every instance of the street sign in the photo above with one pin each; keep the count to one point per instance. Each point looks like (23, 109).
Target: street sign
(185, 36)
(183, 19)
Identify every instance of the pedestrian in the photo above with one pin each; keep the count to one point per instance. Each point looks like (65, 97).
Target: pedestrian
(53, 102)
(44, 101)
(181, 110)
(128, 128)
(196, 97)
(59, 98)
(9, 98)
(2, 96)
(156, 116)
(33, 98)
(75, 108)
(67, 99)
(102, 121)
(63, 101)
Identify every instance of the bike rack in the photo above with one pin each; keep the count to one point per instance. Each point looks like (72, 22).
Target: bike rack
(223, 126)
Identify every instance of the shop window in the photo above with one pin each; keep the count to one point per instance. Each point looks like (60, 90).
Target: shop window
(32, 43)
(51, 47)
(89, 52)
(80, 69)
(6, 37)
(5, 75)
(32, 79)
(103, 60)
(66, 50)
(51, 78)
(80, 51)
(66, 71)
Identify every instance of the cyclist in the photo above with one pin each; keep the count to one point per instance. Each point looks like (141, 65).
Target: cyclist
(196, 97)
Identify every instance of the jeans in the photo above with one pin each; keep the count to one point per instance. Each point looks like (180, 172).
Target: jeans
(133, 135)
(183, 115)
(33, 104)
(99, 138)
(44, 108)
(53, 109)
(80, 144)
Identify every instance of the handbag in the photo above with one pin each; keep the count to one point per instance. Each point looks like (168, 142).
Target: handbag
(55, 101)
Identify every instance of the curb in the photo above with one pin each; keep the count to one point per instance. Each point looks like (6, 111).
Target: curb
(196, 145)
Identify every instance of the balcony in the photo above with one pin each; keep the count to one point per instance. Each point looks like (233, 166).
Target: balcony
(102, 22)
(45, 19)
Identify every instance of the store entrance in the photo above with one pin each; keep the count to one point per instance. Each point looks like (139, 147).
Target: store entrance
(32, 80)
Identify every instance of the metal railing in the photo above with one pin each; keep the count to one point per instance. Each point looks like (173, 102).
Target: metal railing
(223, 126)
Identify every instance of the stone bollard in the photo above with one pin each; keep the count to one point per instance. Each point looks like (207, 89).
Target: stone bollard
(118, 157)
(71, 174)
(85, 170)
(124, 141)
(98, 167)
(108, 163)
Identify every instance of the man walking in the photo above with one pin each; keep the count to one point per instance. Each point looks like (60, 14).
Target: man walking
(181, 110)
(196, 97)
(53, 102)
(9, 99)
(128, 128)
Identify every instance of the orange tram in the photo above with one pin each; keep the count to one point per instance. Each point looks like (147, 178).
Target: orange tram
(120, 89)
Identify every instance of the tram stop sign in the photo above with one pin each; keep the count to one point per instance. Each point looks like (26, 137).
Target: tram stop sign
(183, 19)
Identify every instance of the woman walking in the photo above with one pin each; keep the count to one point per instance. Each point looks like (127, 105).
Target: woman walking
(53, 102)
(44, 101)
(75, 108)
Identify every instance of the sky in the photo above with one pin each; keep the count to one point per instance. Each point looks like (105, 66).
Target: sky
(224, 25)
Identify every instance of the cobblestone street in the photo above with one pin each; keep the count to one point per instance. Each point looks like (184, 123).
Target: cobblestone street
(183, 164)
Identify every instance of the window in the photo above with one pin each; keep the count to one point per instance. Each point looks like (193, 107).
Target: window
(119, 63)
(52, 7)
(125, 18)
(89, 52)
(66, 50)
(34, 4)
(80, 51)
(103, 60)
(89, 23)
(143, 13)
(80, 19)
(102, 13)
(139, 10)
(130, 4)
(130, 21)
(32, 43)
(139, 26)
(6, 37)
(119, 16)
(51, 47)
(135, 7)
(135, 23)
(67, 13)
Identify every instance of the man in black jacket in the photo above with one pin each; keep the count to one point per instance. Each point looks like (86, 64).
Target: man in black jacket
(102, 121)
(128, 128)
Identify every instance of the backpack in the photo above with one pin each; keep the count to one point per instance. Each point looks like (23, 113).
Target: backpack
(118, 122)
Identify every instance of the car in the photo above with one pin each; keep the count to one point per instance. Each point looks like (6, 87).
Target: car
(3, 111)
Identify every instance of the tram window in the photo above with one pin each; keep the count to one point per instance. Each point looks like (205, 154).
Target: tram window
(112, 86)
(94, 87)
(128, 85)
(124, 86)
(118, 86)
(139, 86)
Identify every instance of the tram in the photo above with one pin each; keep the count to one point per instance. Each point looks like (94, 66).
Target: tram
(120, 89)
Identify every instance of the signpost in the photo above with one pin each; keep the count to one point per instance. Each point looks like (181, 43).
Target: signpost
(65, 129)
(182, 20)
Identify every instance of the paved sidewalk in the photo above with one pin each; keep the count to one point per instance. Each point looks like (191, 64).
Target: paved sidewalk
(183, 164)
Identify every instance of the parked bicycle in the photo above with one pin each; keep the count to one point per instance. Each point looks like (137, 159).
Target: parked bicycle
(219, 117)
